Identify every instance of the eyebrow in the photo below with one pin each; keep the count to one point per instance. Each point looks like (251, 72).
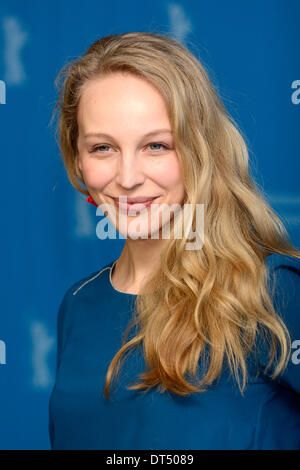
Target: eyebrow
(149, 134)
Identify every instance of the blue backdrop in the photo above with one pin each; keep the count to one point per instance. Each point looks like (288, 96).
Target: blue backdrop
(48, 238)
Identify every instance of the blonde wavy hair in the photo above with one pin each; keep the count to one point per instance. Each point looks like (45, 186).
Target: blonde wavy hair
(209, 304)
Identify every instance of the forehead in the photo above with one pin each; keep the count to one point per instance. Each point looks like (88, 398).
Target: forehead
(122, 98)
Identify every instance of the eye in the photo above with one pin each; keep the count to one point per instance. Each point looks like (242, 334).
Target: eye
(94, 149)
(157, 143)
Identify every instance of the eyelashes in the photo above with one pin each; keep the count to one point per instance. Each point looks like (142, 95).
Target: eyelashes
(94, 149)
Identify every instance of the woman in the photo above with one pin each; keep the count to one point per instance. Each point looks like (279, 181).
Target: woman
(205, 361)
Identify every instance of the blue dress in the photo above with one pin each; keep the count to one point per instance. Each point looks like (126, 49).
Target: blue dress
(91, 320)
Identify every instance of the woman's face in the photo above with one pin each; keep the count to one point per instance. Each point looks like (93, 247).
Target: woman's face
(115, 154)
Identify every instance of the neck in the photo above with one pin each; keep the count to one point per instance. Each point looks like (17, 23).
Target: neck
(137, 261)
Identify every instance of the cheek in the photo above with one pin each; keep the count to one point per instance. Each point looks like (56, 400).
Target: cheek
(169, 174)
(96, 176)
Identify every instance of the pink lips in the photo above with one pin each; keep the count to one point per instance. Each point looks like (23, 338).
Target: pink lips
(138, 205)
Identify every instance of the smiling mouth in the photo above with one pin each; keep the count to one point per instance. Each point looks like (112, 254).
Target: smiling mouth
(134, 206)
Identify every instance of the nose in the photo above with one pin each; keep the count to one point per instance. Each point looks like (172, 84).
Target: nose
(130, 172)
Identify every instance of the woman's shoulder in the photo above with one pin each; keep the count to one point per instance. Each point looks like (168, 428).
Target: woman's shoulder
(284, 283)
(75, 290)
(83, 283)
(284, 276)
(89, 280)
